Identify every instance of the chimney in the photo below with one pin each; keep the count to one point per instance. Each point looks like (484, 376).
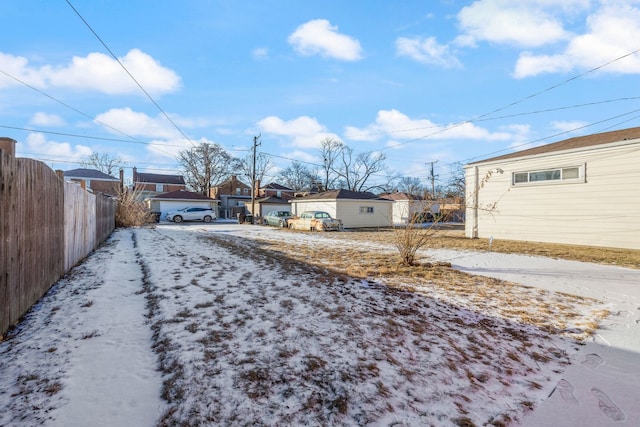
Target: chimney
(8, 145)
(121, 179)
(257, 190)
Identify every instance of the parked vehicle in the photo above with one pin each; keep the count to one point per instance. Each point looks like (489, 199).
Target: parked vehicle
(191, 214)
(277, 218)
(419, 217)
(315, 220)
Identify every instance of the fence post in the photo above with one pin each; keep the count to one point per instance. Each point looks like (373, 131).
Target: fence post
(8, 145)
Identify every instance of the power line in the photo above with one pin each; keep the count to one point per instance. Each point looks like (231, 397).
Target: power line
(130, 75)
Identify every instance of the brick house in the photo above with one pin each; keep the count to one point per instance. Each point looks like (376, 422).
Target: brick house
(233, 195)
(95, 181)
(151, 184)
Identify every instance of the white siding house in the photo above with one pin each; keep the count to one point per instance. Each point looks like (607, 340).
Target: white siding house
(405, 206)
(355, 209)
(583, 191)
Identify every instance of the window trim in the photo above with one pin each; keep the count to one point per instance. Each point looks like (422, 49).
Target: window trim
(366, 210)
(581, 178)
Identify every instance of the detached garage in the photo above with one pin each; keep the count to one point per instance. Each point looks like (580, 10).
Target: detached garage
(583, 191)
(166, 202)
(356, 209)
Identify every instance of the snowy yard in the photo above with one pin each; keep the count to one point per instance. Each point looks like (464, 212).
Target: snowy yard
(225, 324)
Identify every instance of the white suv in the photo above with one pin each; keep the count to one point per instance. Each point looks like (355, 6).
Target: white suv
(191, 214)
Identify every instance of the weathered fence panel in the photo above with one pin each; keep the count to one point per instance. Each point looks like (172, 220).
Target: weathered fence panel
(105, 216)
(79, 224)
(46, 227)
(32, 234)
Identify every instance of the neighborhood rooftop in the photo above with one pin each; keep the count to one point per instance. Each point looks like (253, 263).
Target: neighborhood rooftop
(573, 143)
(88, 174)
(158, 178)
(342, 194)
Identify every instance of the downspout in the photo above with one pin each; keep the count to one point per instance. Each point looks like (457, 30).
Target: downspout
(476, 190)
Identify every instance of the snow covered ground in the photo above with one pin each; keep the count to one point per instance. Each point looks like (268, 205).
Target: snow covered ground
(200, 325)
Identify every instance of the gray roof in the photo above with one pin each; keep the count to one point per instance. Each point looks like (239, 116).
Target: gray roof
(276, 186)
(156, 178)
(573, 143)
(182, 195)
(89, 174)
(342, 194)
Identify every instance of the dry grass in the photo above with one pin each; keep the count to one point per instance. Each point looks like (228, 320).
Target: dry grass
(455, 239)
(552, 312)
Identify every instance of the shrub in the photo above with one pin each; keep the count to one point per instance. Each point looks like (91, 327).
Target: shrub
(131, 211)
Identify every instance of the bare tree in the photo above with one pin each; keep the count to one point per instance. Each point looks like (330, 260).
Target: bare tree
(204, 166)
(330, 151)
(411, 185)
(297, 177)
(456, 184)
(263, 166)
(104, 162)
(355, 171)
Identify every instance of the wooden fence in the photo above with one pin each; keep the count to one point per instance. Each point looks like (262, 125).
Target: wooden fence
(46, 227)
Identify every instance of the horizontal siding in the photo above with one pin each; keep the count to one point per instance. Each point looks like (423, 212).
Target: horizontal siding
(603, 211)
(349, 213)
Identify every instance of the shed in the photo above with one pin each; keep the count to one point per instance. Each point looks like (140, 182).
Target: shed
(582, 191)
(356, 209)
(166, 202)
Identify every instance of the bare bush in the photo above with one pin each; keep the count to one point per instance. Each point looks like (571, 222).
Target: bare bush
(410, 239)
(131, 211)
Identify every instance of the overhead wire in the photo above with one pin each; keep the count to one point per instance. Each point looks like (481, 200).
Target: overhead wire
(115, 57)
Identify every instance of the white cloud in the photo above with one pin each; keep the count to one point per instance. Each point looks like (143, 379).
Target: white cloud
(137, 124)
(399, 126)
(44, 119)
(17, 67)
(169, 149)
(569, 126)
(302, 132)
(427, 51)
(526, 23)
(97, 72)
(38, 143)
(260, 53)
(320, 37)
(612, 33)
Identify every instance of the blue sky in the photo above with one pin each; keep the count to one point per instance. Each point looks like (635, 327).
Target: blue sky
(422, 81)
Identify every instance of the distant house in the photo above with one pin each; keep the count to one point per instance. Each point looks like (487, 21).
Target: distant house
(151, 184)
(95, 181)
(406, 205)
(233, 194)
(271, 197)
(355, 209)
(162, 203)
(583, 191)
(275, 190)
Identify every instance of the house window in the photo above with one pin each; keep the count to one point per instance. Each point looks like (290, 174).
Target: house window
(368, 210)
(159, 187)
(547, 176)
(238, 190)
(245, 190)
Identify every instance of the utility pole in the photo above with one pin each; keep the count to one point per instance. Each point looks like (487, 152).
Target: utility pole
(253, 179)
(433, 180)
